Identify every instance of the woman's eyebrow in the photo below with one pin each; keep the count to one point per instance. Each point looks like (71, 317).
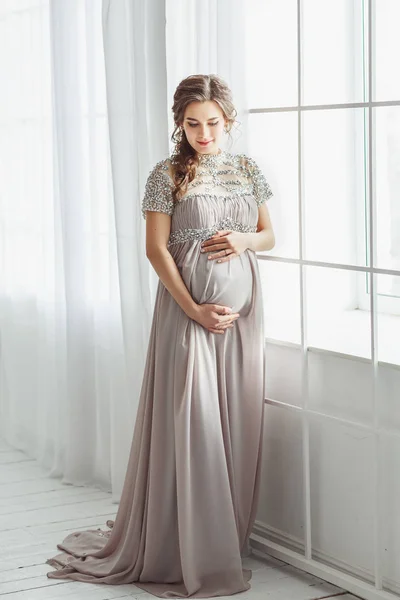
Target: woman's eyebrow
(192, 119)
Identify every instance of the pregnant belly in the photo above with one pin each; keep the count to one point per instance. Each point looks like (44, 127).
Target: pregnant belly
(228, 283)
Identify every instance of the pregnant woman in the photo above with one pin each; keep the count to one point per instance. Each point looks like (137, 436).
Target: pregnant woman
(191, 488)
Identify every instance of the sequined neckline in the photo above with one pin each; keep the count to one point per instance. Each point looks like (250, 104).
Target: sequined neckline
(212, 160)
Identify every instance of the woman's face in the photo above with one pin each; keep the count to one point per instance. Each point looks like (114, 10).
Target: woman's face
(204, 122)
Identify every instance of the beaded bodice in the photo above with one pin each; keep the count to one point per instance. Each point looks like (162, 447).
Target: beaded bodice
(225, 194)
(221, 175)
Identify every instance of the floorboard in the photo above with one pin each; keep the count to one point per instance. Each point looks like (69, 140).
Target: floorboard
(36, 512)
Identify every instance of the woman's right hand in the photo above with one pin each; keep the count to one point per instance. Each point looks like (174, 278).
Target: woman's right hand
(215, 317)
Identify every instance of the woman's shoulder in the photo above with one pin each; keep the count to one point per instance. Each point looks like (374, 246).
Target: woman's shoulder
(162, 165)
(262, 189)
(161, 168)
(158, 190)
(243, 159)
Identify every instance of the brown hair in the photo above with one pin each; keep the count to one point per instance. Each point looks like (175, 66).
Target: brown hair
(195, 88)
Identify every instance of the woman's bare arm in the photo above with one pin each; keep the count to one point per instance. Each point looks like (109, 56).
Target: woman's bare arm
(158, 226)
(214, 317)
(264, 239)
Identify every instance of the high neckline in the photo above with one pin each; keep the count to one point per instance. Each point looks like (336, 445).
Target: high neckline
(211, 159)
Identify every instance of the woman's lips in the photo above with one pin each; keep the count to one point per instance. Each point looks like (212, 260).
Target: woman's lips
(204, 143)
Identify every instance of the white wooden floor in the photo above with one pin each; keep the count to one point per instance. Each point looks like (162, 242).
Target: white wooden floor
(36, 512)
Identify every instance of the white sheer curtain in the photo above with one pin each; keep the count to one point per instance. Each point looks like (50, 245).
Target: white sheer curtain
(205, 36)
(85, 116)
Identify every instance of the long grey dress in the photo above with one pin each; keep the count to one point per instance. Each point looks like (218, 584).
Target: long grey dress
(191, 488)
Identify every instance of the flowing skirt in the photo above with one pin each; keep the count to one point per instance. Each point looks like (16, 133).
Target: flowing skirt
(191, 488)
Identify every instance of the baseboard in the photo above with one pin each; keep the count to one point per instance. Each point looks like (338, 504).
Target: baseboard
(296, 545)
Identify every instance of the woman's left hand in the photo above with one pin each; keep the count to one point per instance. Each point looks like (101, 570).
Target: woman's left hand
(225, 245)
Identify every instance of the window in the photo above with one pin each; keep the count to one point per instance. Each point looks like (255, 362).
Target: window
(314, 133)
(324, 98)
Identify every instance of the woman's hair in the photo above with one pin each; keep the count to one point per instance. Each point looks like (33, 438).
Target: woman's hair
(195, 88)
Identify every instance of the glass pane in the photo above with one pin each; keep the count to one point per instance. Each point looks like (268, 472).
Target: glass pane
(387, 185)
(271, 46)
(333, 51)
(283, 372)
(388, 318)
(388, 313)
(334, 321)
(281, 298)
(390, 543)
(334, 152)
(273, 143)
(340, 386)
(342, 495)
(387, 50)
(389, 397)
(281, 495)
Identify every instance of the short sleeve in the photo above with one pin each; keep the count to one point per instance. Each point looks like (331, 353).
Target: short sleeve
(158, 190)
(261, 188)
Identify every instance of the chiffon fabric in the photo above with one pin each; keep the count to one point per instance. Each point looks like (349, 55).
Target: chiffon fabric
(191, 488)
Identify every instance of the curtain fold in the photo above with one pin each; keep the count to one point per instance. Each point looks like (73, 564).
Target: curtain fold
(208, 36)
(134, 50)
(82, 124)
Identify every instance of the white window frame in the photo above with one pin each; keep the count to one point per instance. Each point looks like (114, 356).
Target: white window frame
(306, 561)
(387, 304)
